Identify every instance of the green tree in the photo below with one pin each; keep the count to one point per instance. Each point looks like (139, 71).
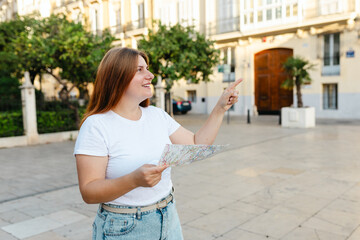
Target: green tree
(59, 47)
(75, 51)
(298, 70)
(177, 52)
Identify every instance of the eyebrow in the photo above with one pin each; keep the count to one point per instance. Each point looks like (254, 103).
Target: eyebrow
(141, 66)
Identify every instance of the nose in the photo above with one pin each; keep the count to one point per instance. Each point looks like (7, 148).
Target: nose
(150, 76)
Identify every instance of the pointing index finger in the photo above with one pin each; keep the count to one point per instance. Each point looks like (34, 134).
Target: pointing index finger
(234, 84)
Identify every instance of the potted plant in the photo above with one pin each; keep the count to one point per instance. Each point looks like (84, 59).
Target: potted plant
(298, 70)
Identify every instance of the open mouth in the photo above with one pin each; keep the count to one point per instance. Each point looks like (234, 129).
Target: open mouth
(146, 85)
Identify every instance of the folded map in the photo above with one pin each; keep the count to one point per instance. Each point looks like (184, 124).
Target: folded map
(175, 154)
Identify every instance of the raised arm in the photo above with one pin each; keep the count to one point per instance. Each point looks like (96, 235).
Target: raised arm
(207, 133)
(95, 188)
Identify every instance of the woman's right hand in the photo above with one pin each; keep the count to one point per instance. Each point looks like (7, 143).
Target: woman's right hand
(148, 175)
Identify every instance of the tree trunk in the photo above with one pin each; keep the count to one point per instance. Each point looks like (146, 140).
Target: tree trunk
(76, 112)
(298, 94)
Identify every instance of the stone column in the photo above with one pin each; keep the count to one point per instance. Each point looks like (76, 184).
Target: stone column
(29, 110)
(160, 94)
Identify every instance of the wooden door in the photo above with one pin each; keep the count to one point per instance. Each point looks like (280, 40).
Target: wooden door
(269, 75)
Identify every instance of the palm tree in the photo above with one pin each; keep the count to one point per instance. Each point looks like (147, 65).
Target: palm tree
(297, 68)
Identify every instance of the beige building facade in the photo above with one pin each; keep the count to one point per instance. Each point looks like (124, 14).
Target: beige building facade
(254, 36)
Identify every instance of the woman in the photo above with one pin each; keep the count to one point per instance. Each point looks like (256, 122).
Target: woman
(120, 142)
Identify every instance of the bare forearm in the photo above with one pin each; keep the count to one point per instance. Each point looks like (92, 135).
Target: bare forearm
(105, 190)
(207, 133)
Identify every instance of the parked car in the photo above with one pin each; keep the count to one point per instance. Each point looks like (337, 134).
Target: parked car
(180, 105)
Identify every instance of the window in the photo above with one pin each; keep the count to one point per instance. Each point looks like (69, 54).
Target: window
(263, 13)
(330, 96)
(331, 54)
(228, 54)
(227, 16)
(118, 18)
(141, 15)
(330, 6)
(191, 95)
(94, 20)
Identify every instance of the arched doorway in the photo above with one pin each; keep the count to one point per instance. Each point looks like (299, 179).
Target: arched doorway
(269, 75)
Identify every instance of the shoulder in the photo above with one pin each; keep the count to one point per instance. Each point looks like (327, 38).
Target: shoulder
(95, 120)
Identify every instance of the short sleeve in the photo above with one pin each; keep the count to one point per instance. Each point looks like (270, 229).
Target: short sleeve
(171, 123)
(91, 140)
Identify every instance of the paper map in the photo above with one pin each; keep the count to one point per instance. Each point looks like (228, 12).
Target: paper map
(175, 154)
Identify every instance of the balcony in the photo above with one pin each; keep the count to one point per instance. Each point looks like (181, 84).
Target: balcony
(136, 24)
(224, 26)
(117, 29)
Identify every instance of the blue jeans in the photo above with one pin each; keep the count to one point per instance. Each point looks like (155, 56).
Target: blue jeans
(159, 224)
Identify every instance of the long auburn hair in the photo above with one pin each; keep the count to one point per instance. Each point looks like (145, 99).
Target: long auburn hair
(114, 74)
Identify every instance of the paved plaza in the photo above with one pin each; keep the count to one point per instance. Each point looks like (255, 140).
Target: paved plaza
(271, 183)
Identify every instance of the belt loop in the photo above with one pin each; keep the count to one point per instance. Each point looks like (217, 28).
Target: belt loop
(138, 213)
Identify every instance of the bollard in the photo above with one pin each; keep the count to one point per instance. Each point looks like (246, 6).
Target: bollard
(280, 117)
(248, 116)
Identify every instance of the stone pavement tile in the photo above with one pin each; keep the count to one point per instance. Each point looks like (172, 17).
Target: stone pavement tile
(3, 223)
(220, 221)
(81, 230)
(338, 222)
(189, 179)
(355, 235)
(88, 210)
(7, 195)
(302, 233)
(329, 188)
(238, 191)
(268, 197)
(72, 195)
(229, 179)
(191, 233)
(274, 223)
(47, 236)
(186, 215)
(246, 207)
(195, 191)
(344, 205)
(305, 204)
(353, 193)
(208, 204)
(31, 227)
(251, 172)
(36, 210)
(321, 224)
(222, 238)
(42, 224)
(6, 236)
(14, 216)
(66, 217)
(213, 167)
(19, 203)
(239, 234)
(264, 181)
(287, 171)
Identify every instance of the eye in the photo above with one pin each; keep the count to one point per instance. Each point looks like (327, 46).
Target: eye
(139, 69)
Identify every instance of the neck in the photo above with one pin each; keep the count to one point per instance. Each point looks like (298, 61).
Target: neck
(128, 109)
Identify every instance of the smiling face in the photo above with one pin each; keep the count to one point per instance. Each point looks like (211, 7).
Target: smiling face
(139, 88)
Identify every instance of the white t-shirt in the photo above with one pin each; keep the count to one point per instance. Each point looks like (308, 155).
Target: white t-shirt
(129, 145)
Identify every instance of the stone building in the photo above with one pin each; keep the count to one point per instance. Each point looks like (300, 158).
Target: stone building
(254, 36)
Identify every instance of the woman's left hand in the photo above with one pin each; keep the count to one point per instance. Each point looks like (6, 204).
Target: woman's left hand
(229, 97)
